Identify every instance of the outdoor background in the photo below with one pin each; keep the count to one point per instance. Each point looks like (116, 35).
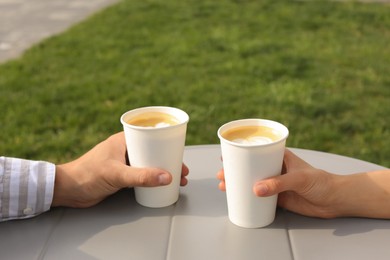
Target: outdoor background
(321, 68)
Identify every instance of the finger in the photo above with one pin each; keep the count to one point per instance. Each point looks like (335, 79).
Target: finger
(143, 177)
(184, 170)
(221, 175)
(222, 186)
(278, 184)
(183, 181)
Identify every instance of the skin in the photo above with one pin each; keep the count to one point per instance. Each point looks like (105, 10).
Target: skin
(312, 192)
(101, 172)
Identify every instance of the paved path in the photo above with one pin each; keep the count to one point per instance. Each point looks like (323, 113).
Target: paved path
(26, 22)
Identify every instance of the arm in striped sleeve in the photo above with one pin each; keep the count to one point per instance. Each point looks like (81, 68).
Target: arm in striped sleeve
(26, 187)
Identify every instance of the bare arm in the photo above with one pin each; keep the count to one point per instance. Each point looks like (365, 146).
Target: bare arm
(363, 195)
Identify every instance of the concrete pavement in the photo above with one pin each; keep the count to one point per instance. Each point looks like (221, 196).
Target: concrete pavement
(26, 22)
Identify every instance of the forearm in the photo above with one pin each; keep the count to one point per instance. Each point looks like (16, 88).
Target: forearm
(363, 195)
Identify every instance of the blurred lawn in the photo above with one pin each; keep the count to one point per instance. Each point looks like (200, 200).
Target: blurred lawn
(321, 68)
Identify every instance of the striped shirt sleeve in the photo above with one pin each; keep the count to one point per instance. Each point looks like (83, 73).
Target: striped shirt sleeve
(26, 187)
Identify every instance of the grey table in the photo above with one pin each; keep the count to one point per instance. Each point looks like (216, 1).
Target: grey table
(197, 227)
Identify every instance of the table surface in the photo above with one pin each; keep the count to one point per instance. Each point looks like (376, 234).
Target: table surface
(197, 226)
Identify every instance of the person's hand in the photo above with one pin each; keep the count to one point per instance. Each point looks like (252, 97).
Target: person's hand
(101, 172)
(303, 189)
(306, 190)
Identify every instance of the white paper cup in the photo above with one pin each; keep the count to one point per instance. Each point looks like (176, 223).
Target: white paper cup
(246, 163)
(160, 147)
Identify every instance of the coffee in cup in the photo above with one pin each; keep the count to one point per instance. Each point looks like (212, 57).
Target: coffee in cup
(153, 119)
(252, 134)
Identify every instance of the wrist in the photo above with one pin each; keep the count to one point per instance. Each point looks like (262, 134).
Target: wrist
(65, 187)
(343, 197)
(58, 187)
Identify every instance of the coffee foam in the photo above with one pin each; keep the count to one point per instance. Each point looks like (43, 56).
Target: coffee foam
(162, 124)
(252, 134)
(153, 120)
(253, 140)
(159, 125)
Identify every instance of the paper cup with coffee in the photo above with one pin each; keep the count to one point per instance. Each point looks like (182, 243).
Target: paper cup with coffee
(155, 137)
(252, 150)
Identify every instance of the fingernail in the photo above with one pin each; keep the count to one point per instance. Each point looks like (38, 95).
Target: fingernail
(261, 189)
(163, 179)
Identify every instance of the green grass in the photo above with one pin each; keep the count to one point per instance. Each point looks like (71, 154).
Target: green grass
(320, 68)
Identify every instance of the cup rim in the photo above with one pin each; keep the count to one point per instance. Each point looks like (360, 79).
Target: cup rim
(250, 122)
(183, 116)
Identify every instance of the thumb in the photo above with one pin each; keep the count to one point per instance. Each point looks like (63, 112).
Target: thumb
(276, 185)
(143, 177)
